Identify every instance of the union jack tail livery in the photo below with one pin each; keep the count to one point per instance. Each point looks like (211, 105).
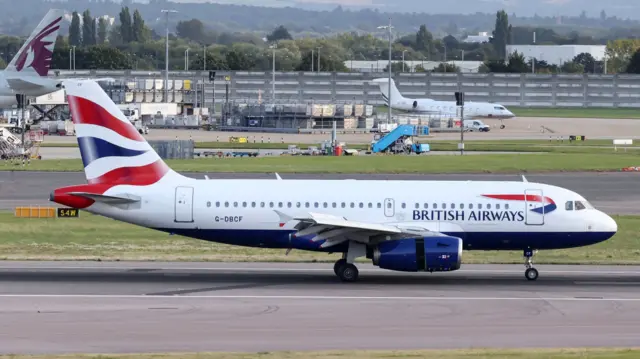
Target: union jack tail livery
(34, 57)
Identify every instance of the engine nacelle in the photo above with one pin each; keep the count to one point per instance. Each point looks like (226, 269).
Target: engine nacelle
(415, 104)
(428, 254)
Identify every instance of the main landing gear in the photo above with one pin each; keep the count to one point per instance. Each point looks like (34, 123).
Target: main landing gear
(347, 272)
(531, 273)
(344, 268)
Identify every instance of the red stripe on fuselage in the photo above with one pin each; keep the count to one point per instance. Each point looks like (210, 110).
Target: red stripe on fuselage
(519, 197)
(86, 112)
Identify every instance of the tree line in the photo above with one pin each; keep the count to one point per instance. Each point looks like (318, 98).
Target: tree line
(131, 44)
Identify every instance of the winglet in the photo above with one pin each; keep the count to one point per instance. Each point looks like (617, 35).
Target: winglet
(524, 179)
(278, 177)
(284, 218)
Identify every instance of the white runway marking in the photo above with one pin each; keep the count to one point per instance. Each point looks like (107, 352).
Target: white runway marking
(328, 269)
(314, 297)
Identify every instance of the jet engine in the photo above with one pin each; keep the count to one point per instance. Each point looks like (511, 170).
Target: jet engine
(427, 254)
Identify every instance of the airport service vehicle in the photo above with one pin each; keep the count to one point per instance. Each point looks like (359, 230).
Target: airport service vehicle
(476, 125)
(472, 110)
(413, 226)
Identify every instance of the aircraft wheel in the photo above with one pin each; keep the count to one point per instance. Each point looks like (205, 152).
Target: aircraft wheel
(347, 272)
(502, 126)
(531, 273)
(339, 263)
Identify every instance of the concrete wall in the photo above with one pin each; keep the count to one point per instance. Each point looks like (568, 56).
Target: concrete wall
(522, 90)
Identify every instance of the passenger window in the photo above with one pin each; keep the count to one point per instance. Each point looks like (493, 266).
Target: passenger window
(298, 204)
(470, 205)
(435, 205)
(306, 204)
(404, 205)
(461, 205)
(315, 204)
(568, 206)
(324, 205)
(479, 205)
(217, 204)
(271, 204)
(226, 204)
(361, 205)
(289, 204)
(334, 205)
(261, 204)
(280, 204)
(497, 206)
(353, 205)
(208, 204)
(370, 205)
(453, 206)
(417, 205)
(343, 204)
(426, 205)
(235, 204)
(244, 204)
(506, 206)
(379, 205)
(488, 205)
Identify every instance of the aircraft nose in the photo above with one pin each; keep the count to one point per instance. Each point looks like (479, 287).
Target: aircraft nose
(609, 224)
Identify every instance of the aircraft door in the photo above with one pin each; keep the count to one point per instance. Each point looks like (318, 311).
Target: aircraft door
(534, 207)
(389, 207)
(184, 204)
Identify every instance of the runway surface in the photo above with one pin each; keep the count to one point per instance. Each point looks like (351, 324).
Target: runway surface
(65, 307)
(614, 193)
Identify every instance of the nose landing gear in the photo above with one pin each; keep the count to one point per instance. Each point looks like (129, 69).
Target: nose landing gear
(530, 273)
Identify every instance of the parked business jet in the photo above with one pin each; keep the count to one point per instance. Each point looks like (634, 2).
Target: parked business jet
(415, 226)
(472, 110)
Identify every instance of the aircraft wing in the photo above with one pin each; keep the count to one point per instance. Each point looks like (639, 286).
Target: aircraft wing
(334, 230)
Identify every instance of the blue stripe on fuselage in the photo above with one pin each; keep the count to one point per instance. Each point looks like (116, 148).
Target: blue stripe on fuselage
(471, 240)
(92, 148)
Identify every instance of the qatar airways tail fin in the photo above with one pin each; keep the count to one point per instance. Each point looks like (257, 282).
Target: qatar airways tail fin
(113, 151)
(34, 57)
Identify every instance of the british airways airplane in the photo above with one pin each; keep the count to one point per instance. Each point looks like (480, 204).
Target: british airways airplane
(400, 225)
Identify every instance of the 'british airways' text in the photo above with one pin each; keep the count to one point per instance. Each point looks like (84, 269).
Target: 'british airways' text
(461, 215)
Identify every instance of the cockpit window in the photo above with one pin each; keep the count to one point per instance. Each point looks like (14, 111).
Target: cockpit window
(498, 108)
(577, 205)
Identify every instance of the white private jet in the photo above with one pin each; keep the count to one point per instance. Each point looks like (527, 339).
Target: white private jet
(27, 73)
(472, 110)
(414, 226)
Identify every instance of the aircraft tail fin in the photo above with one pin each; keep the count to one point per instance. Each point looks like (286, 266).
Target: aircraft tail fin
(383, 83)
(35, 55)
(112, 150)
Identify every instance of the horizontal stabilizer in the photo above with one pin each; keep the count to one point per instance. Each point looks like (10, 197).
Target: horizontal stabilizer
(122, 199)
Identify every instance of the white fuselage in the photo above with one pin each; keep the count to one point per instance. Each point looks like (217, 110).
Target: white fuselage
(31, 86)
(243, 212)
(448, 108)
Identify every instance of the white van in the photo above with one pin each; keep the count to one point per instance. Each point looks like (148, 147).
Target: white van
(476, 125)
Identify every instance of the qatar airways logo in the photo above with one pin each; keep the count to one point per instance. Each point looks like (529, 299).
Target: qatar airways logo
(38, 51)
(471, 216)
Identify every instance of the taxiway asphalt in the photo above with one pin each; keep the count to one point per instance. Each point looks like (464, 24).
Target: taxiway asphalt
(66, 307)
(613, 192)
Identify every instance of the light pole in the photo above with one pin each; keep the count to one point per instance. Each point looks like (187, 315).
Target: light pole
(403, 51)
(166, 55)
(389, 27)
(204, 59)
(319, 47)
(74, 57)
(186, 59)
(312, 60)
(273, 73)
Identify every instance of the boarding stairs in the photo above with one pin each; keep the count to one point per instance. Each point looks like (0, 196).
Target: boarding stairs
(397, 140)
